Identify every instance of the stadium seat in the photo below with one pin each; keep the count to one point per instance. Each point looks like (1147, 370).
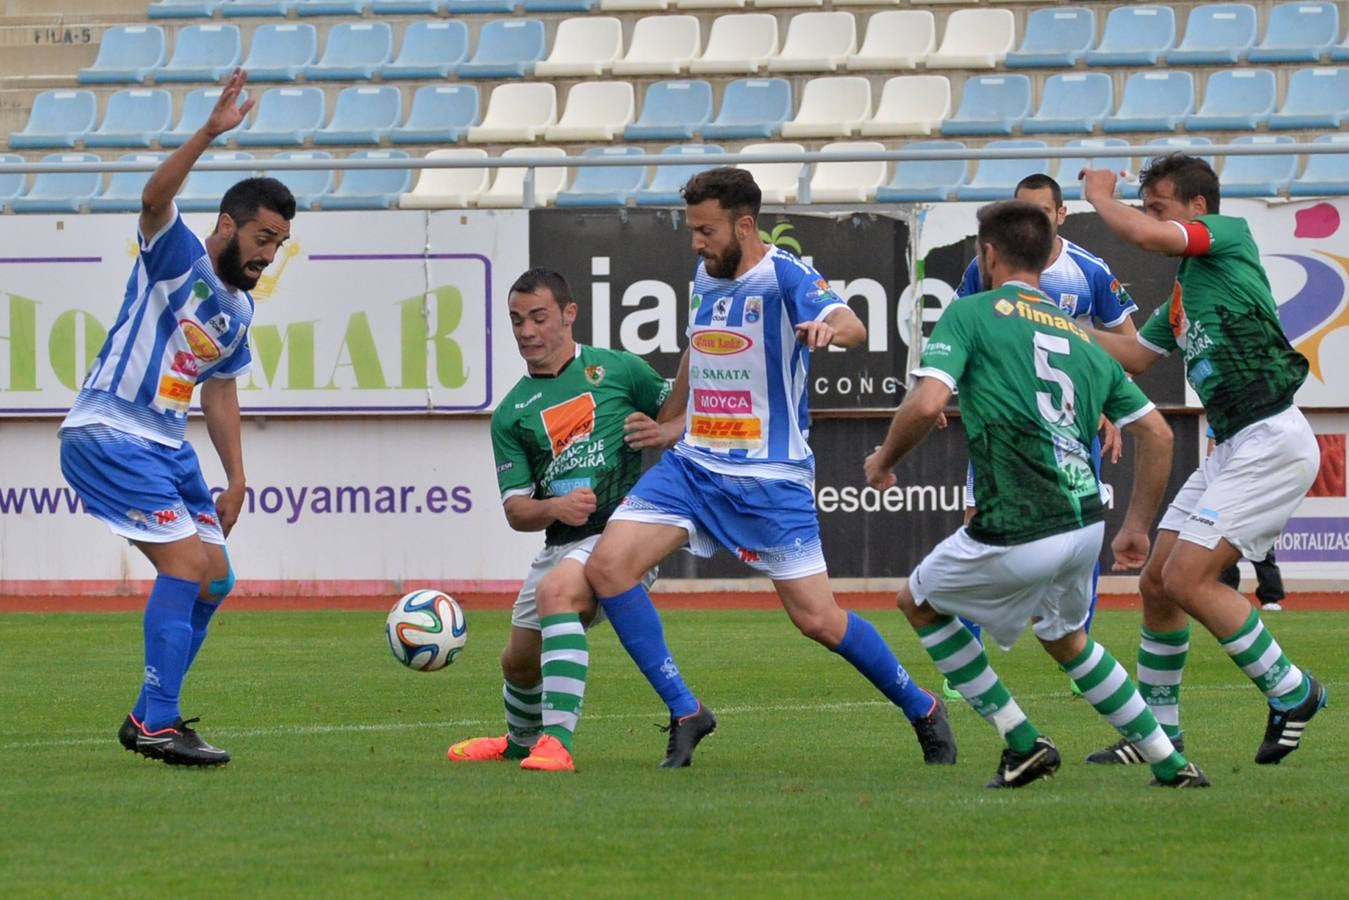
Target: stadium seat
(1135, 36)
(661, 45)
(634, 5)
(12, 184)
(585, 45)
(508, 187)
(429, 50)
(664, 187)
(1258, 176)
(507, 48)
(816, 42)
(1316, 98)
(310, 186)
(57, 119)
(285, 115)
(1340, 52)
(975, 39)
(448, 188)
(123, 191)
(672, 110)
(363, 115)
(1325, 173)
(463, 7)
(259, 8)
(202, 53)
(910, 104)
(440, 114)
(752, 107)
(743, 42)
(779, 182)
(995, 179)
(1215, 34)
(1153, 101)
(197, 108)
(1300, 31)
(1054, 38)
(407, 8)
(355, 51)
(595, 111)
(896, 39)
(580, 6)
(281, 52)
(710, 4)
(923, 180)
(1071, 165)
(183, 9)
(134, 118)
(991, 104)
(517, 113)
(1176, 143)
(848, 182)
(831, 107)
(203, 190)
(1072, 102)
(60, 191)
(1235, 100)
(127, 54)
(604, 185)
(370, 188)
(332, 7)
(771, 4)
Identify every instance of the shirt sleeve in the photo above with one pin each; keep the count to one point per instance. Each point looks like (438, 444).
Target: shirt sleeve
(238, 363)
(171, 251)
(1126, 403)
(948, 350)
(806, 293)
(970, 282)
(649, 389)
(1198, 237)
(513, 476)
(1110, 302)
(1156, 333)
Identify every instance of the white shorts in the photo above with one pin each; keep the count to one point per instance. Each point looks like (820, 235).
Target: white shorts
(1248, 487)
(525, 612)
(1003, 588)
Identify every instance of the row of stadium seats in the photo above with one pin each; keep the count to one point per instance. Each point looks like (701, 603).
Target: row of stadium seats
(829, 182)
(833, 106)
(738, 43)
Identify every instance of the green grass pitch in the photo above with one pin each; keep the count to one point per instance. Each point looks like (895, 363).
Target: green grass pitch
(812, 786)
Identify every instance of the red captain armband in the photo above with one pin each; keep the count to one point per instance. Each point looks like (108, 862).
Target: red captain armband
(1198, 239)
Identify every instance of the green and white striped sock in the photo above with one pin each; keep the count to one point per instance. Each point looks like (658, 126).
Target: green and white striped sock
(1161, 663)
(566, 659)
(962, 660)
(1257, 653)
(524, 717)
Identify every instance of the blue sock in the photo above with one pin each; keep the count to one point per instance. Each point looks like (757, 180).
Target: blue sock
(1095, 579)
(639, 630)
(863, 646)
(202, 610)
(975, 630)
(168, 640)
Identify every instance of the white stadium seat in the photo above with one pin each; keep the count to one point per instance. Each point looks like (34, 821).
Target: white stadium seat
(831, 107)
(517, 112)
(448, 188)
(596, 111)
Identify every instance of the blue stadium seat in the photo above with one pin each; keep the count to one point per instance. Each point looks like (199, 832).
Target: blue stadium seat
(507, 48)
(60, 191)
(1054, 37)
(11, 183)
(1135, 36)
(203, 53)
(990, 104)
(1325, 172)
(371, 188)
(285, 115)
(257, 7)
(582, 6)
(995, 179)
(664, 186)
(1235, 100)
(363, 115)
(1316, 98)
(1340, 52)
(123, 193)
(1301, 31)
(183, 9)
(672, 111)
(355, 51)
(1258, 176)
(58, 119)
(197, 108)
(332, 7)
(604, 185)
(1072, 102)
(203, 190)
(134, 118)
(1186, 143)
(310, 186)
(126, 55)
(1153, 101)
(460, 7)
(1099, 158)
(919, 180)
(440, 114)
(407, 7)
(429, 50)
(752, 108)
(1215, 34)
(281, 52)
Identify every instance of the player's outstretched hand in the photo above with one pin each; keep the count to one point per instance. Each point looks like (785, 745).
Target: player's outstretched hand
(1112, 442)
(575, 507)
(228, 503)
(878, 474)
(815, 335)
(228, 114)
(641, 432)
(1097, 184)
(1130, 548)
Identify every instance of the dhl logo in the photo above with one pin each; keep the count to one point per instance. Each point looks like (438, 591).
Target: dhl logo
(720, 343)
(726, 431)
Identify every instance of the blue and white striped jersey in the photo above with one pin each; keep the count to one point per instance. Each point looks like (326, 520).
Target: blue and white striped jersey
(748, 408)
(1080, 283)
(179, 325)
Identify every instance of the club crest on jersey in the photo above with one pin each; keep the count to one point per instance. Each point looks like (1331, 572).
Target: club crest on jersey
(753, 309)
(595, 374)
(1004, 308)
(1068, 303)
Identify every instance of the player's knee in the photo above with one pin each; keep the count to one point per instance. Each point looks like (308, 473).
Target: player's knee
(1179, 583)
(217, 589)
(554, 599)
(1150, 583)
(604, 571)
(519, 670)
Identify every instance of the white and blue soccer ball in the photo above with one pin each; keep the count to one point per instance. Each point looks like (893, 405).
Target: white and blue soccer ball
(426, 630)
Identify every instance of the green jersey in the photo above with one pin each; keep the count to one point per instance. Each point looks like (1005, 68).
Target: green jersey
(1032, 386)
(1223, 317)
(552, 435)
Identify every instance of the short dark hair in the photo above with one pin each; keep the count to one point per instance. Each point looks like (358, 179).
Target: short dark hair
(1021, 231)
(733, 189)
(1191, 176)
(1038, 182)
(538, 277)
(242, 201)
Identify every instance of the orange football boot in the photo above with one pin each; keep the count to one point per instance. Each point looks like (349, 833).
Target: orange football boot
(482, 749)
(549, 755)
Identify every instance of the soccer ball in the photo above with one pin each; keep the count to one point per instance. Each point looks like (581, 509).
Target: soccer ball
(426, 630)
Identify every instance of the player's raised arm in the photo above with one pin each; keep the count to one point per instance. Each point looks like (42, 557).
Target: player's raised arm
(1130, 224)
(1152, 468)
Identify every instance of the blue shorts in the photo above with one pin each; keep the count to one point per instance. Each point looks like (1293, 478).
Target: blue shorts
(768, 523)
(143, 490)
